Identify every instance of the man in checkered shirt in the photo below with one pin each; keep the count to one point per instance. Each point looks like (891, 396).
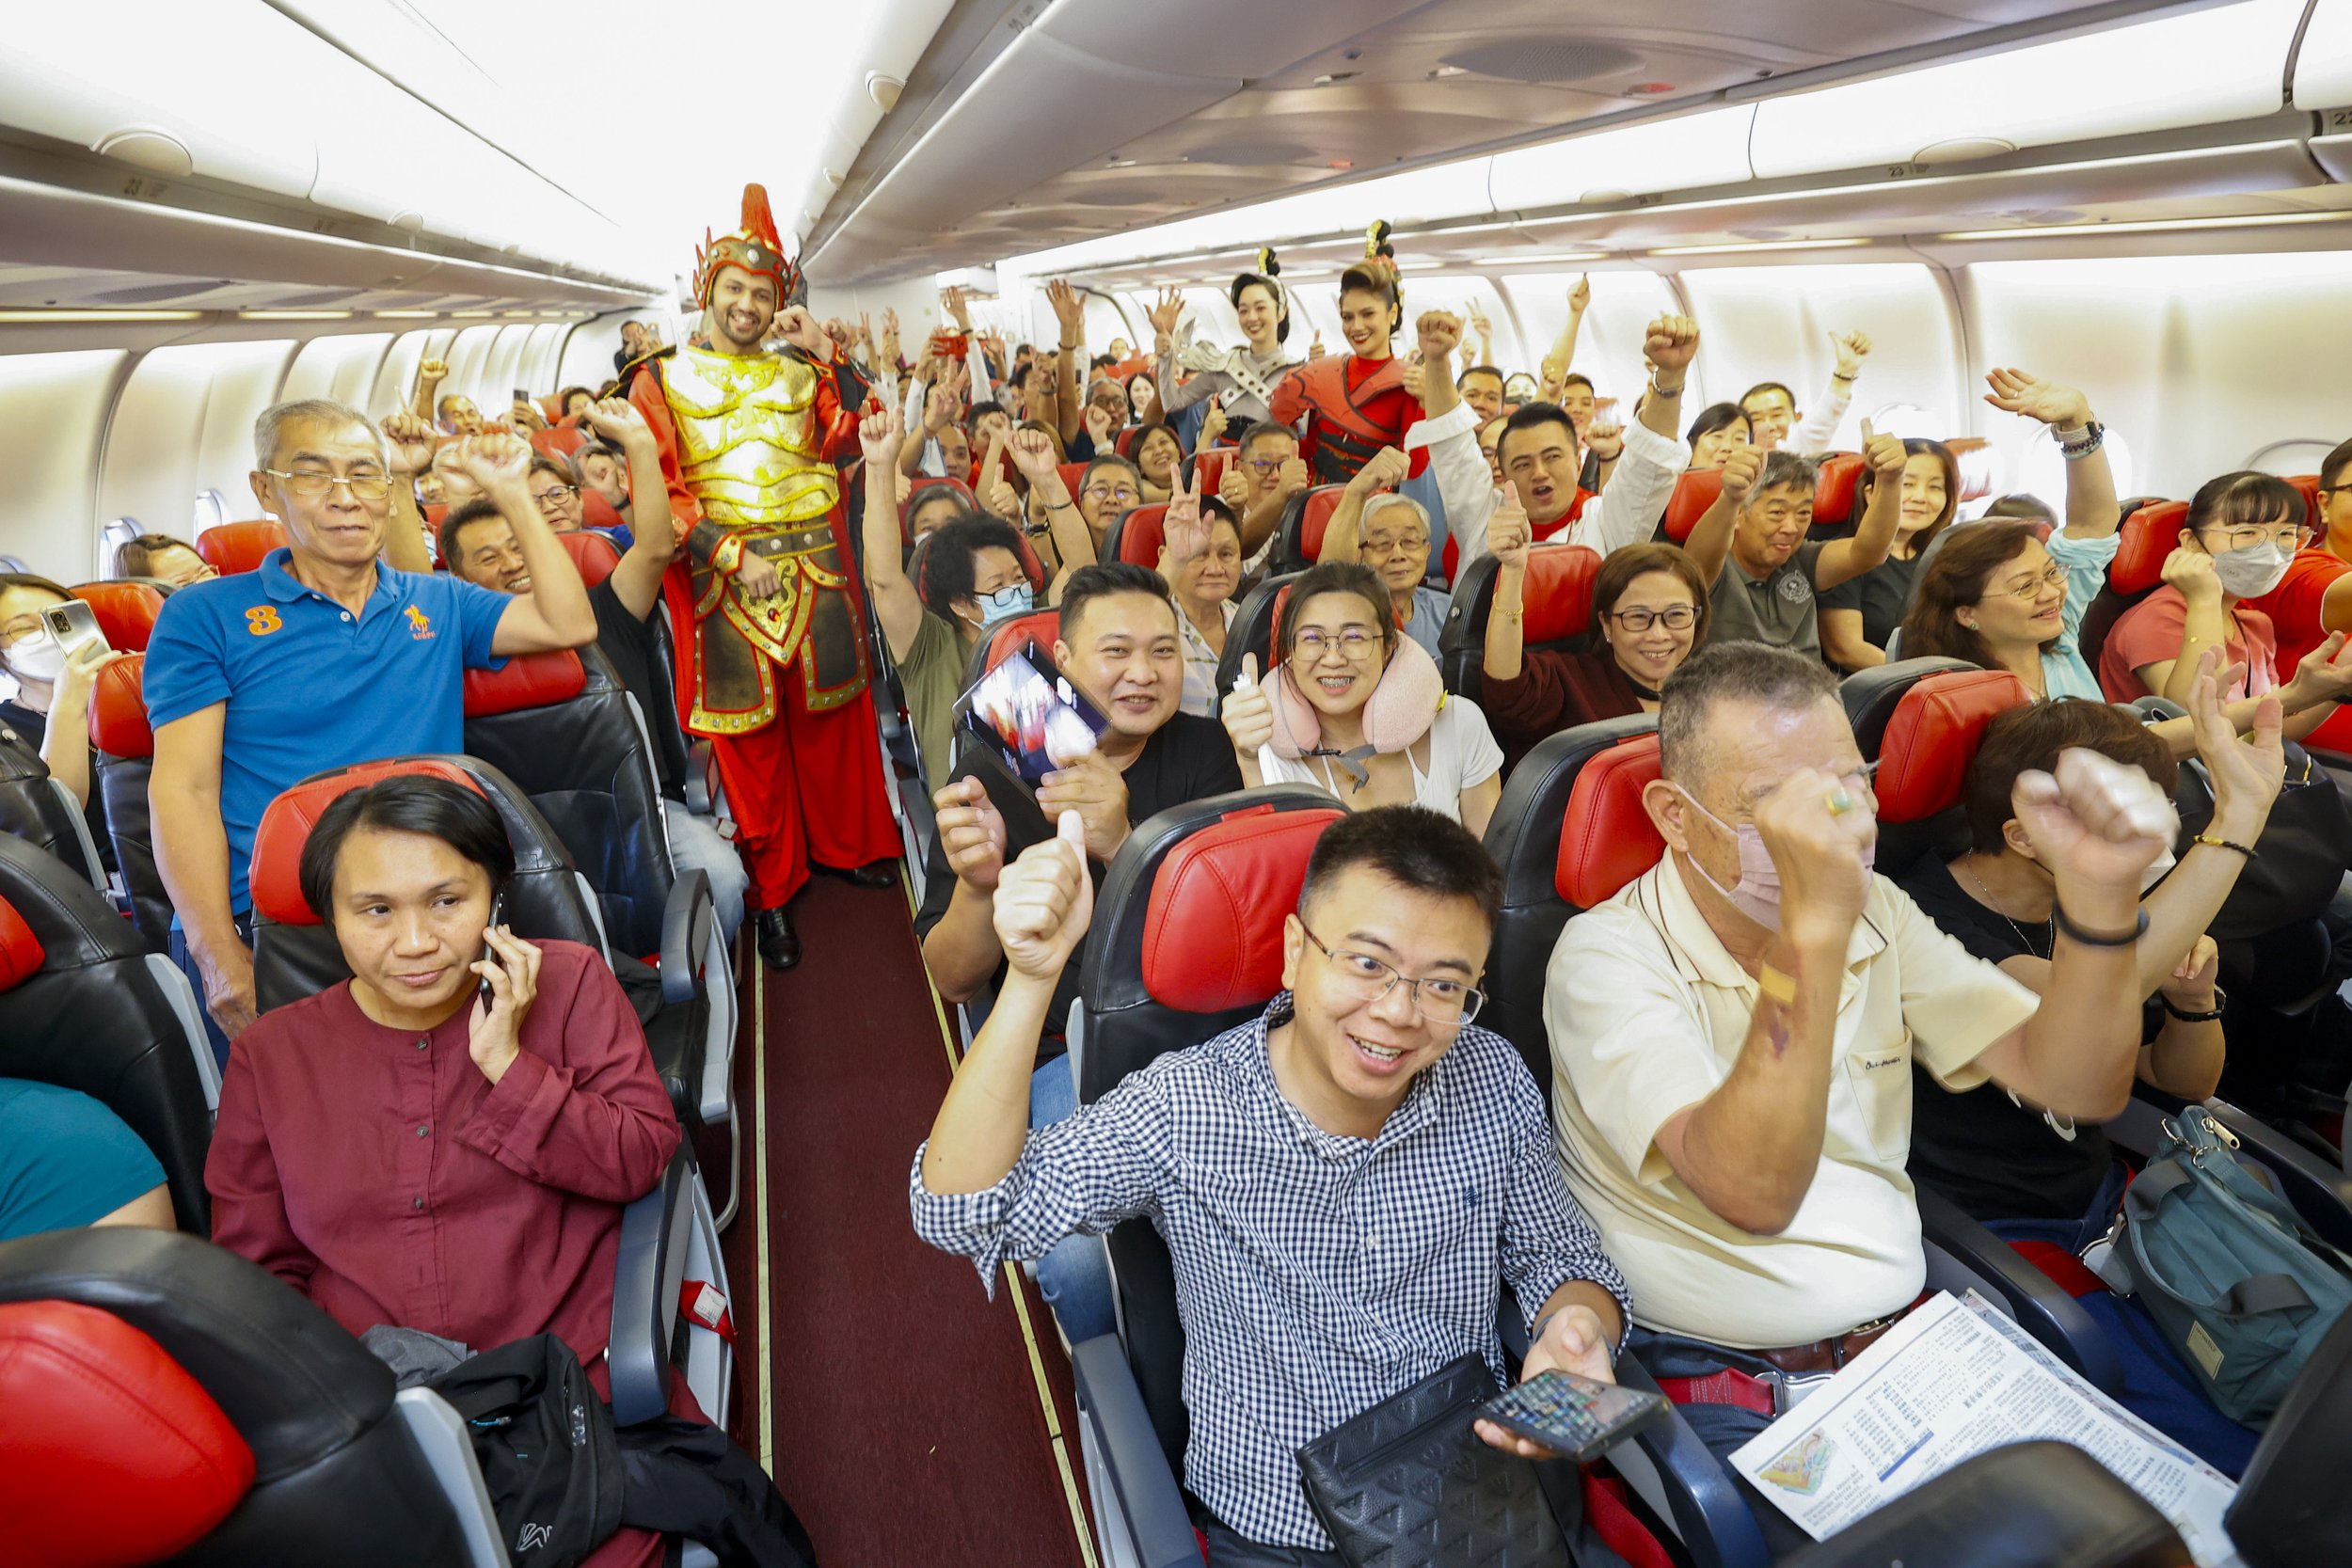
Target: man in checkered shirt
(1344, 1184)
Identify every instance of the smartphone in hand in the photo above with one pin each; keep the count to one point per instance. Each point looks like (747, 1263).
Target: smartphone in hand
(498, 913)
(72, 624)
(1575, 1418)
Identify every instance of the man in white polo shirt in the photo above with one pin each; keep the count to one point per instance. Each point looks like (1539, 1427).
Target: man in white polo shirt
(1732, 1034)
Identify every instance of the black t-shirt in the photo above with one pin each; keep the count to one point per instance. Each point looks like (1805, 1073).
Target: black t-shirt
(1187, 759)
(629, 644)
(33, 728)
(1881, 593)
(1998, 1160)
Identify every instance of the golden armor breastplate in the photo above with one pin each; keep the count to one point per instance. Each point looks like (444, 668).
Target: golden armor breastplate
(748, 441)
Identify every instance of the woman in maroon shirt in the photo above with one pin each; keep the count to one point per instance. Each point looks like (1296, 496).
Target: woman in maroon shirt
(1649, 611)
(401, 1154)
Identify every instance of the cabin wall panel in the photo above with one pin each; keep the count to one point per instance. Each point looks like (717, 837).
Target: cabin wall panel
(183, 425)
(1758, 323)
(585, 355)
(53, 418)
(396, 375)
(343, 368)
(1608, 344)
(2195, 362)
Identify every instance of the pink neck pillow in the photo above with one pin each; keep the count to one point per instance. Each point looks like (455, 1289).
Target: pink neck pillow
(1402, 708)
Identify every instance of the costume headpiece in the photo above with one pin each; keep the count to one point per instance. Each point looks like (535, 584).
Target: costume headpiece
(754, 247)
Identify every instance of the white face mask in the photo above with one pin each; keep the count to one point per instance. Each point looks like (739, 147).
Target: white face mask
(38, 659)
(2250, 572)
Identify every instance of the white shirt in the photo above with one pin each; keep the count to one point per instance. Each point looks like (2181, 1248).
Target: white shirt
(1626, 513)
(1647, 1013)
(1462, 755)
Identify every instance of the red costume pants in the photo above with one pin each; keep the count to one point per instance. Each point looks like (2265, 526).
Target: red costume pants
(806, 787)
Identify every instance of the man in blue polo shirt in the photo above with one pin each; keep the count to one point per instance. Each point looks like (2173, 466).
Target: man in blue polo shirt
(323, 657)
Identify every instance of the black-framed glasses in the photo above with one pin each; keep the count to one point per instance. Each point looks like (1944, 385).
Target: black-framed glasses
(1678, 617)
(310, 484)
(1447, 1003)
(554, 495)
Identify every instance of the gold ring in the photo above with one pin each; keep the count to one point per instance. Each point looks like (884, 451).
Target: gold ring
(1839, 802)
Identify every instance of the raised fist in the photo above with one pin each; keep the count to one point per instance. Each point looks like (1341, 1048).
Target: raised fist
(1852, 348)
(1670, 344)
(617, 420)
(411, 439)
(1384, 469)
(879, 437)
(1741, 469)
(1439, 333)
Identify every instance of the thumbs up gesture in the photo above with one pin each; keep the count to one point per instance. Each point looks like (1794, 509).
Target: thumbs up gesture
(1508, 531)
(1248, 717)
(1884, 454)
(1045, 901)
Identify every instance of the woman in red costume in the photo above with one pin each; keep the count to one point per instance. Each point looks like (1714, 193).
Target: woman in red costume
(1355, 403)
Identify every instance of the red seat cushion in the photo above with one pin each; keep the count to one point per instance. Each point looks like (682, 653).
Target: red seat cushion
(2150, 534)
(1321, 502)
(558, 441)
(1070, 474)
(126, 612)
(1606, 836)
(1210, 463)
(1141, 534)
(1213, 930)
(118, 710)
(1039, 626)
(21, 954)
(1834, 493)
(592, 553)
(1931, 737)
(527, 680)
(1694, 492)
(1558, 593)
(595, 512)
(111, 1454)
(2307, 486)
(234, 547)
(277, 868)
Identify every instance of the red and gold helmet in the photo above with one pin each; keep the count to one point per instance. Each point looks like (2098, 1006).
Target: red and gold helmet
(754, 247)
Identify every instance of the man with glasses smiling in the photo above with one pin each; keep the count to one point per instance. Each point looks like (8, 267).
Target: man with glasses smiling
(1344, 1183)
(323, 656)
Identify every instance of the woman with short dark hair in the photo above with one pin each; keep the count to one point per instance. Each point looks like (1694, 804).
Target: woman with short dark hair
(403, 1152)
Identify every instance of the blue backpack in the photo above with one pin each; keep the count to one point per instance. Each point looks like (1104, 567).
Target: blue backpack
(2240, 1286)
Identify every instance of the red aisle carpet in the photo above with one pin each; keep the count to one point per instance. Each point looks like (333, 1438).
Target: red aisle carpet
(907, 1425)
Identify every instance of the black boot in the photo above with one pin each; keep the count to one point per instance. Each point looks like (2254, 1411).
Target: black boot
(880, 874)
(779, 944)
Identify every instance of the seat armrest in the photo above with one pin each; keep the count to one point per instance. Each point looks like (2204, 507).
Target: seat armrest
(2032, 1299)
(647, 1276)
(686, 922)
(1709, 1514)
(2315, 1189)
(447, 1448)
(1129, 1452)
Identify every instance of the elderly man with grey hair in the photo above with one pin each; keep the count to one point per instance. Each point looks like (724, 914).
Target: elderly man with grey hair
(1390, 534)
(324, 656)
(1733, 1035)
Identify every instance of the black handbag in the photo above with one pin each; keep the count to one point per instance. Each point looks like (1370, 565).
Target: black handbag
(545, 1447)
(2305, 845)
(1408, 1484)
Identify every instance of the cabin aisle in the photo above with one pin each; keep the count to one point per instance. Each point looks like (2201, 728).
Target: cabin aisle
(906, 1422)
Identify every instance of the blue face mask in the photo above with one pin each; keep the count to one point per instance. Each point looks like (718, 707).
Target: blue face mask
(1012, 600)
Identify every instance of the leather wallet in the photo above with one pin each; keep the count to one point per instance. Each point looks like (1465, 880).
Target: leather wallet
(1407, 1483)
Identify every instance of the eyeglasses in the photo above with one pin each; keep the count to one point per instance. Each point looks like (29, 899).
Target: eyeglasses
(1263, 464)
(1447, 1003)
(1385, 544)
(2253, 536)
(1678, 617)
(1124, 495)
(554, 495)
(1355, 643)
(310, 484)
(2035, 586)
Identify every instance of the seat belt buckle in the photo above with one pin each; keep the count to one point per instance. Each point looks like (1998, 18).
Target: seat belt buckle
(707, 1304)
(1791, 1389)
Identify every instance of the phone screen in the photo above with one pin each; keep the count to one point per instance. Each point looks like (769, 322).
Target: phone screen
(522, 394)
(1031, 716)
(1575, 1418)
(72, 624)
(498, 915)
